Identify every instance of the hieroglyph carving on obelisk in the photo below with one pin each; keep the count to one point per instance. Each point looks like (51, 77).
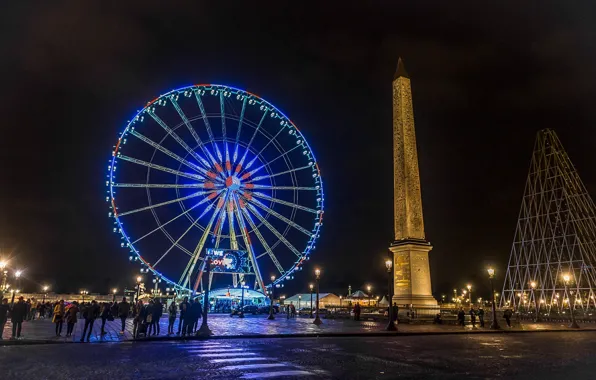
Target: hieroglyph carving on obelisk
(408, 223)
(410, 249)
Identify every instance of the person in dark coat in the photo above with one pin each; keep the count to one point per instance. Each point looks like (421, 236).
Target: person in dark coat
(395, 311)
(507, 315)
(71, 318)
(17, 316)
(139, 319)
(188, 319)
(481, 316)
(473, 316)
(183, 309)
(461, 316)
(357, 312)
(105, 314)
(157, 313)
(4, 308)
(123, 310)
(90, 313)
(149, 317)
(195, 314)
(172, 310)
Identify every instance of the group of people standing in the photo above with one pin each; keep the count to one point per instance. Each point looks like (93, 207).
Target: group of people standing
(147, 317)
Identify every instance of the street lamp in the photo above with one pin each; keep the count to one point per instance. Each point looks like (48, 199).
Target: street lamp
(139, 279)
(84, 293)
(114, 291)
(317, 320)
(368, 287)
(271, 299)
(533, 287)
(205, 330)
(566, 279)
(312, 287)
(470, 293)
(241, 315)
(299, 300)
(494, 325)
(391, 325)
(45, 292)
(340, 297)
(4, 273)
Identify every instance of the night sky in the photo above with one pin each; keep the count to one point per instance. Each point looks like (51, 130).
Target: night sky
(485, 79)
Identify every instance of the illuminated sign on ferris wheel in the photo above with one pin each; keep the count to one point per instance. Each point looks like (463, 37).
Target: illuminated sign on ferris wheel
(228, 261)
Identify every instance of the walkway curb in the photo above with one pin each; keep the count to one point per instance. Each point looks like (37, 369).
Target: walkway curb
(299, 335)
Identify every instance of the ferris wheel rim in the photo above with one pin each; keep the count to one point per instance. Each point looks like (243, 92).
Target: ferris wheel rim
(112, 184)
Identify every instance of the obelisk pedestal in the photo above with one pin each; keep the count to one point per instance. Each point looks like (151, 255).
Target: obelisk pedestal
(410, 249)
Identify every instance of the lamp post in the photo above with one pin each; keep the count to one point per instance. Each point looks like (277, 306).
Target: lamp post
(368, 287)
(45, 292)
(389, 265)
(139, 279)
(494, 325)
(241, 315)
(84, 293)
(340, 298)
(4, 274)
(312, 287)
(204, 329)
(317, 320)
(114, 291)
(299, 300)
(533, 287)
(17, 274)
(470, 293)
(270, 317)
(566, 279)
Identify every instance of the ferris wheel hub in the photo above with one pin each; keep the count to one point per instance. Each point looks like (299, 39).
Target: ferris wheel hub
(233, 183)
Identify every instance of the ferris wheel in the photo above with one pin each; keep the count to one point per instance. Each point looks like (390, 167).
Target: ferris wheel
(211, 168)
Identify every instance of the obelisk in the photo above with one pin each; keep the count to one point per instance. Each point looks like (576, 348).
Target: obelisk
(410, 249)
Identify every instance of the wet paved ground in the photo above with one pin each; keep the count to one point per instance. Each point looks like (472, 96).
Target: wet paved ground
(558, 355)
(224, 325)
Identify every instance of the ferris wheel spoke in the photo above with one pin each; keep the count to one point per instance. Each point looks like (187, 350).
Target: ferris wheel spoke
(290, 204)
(268, 249)
(161, 185)
(272, 161)
(251, 253)
(263, 149)
(281, 173)
(235, 156)
(170, 153)
(191, 130)
(199, 248)
(171, 220)
(161, 168)
(197, 194)
(269, 211)
(274, 231)
(267, 187)
(175, 136)
(175, 244)
(207, 125)
(251, 139)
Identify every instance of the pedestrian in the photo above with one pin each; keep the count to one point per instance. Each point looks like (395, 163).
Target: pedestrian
(188, 318)
(461, 317)
(357, 312)
(106, 314)
(395, 311)
(28, 304)
(17, 316)
(71, 318)
(90, 313)
(33, 309)
(195, 314)
(139, 319)
(157, 313)
(481, 316)
(58, 318)
(507, 315)
(4, 308)
(473, 316)
(183, 308)
(172, 310)
(42, 310)
(122, 311)
(149, 317)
